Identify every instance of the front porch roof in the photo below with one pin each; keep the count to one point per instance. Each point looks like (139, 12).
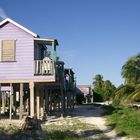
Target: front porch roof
(44, 41)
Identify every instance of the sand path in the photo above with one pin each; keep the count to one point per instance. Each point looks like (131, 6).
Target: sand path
(93, 114)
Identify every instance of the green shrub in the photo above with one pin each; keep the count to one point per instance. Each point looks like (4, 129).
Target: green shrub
(122, 93)
(134, 97)
(79, 98)
(97, 97)
(126, 120)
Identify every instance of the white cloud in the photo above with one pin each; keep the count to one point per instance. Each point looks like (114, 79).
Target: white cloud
(2, 13)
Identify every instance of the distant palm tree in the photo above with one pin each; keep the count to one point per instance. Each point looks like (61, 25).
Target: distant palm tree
(131, 70)
(98, 81)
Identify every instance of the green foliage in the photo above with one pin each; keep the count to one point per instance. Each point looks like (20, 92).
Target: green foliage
(97, 97)
(79, 98)
(70, 130)
(131, 70)
(126, 121)
(122, 93)
(134, 97)
(98, 81)
(103, 90)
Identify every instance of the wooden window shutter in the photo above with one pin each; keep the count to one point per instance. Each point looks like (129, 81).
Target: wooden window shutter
(8, 50)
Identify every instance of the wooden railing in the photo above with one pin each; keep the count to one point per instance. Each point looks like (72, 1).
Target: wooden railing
(43, 67)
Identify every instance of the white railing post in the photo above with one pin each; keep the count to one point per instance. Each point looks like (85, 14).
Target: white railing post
(43, 67)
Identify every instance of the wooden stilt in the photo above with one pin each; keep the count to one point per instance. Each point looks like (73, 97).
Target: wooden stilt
(73, 102)
(3, 102)
(62, 102)
(70, 100)
(21, 101)
(14, 100)
(32, 99)
(42, 102)
(28, 106)
(47, 101)
(50, 100)
(37, 102)
(11, 94)
(68, 95)
(59, 102)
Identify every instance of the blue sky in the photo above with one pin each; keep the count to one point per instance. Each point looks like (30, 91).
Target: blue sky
(95, 36)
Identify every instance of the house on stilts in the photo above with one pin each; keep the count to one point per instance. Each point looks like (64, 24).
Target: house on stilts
(32, 79)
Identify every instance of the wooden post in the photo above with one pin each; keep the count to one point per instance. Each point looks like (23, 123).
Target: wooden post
(59, 101)
(28, 106)
(53, 55)
(14, 100)
(62, 102)
(47, 101)
(73, 102)
(42, 102)
(3, 102)
(50, 106)
(37, 102)
(32, 99)
(68, 100)
(21, 101)
(11, 94)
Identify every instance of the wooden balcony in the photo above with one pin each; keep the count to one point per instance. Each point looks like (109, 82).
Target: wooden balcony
(43, 67)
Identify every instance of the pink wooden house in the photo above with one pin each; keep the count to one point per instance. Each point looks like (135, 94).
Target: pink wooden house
(30, 74)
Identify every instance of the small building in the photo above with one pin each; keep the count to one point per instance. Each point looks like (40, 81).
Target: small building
(29, 72)
(85, 90)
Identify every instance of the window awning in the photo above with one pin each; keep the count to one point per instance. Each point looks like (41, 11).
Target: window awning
(44, 41)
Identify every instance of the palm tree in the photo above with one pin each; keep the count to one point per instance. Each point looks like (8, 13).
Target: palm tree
(131, 70)
(98, 81)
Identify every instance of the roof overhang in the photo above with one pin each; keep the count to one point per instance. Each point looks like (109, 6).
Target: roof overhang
(69, 69)
(44, 41)
(18, 25)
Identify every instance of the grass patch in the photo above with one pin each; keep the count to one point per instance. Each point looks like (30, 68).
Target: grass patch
(65, 129)
(72, 130)
(125, 120)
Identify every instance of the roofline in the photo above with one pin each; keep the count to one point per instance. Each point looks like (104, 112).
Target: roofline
(70, 70)
(18, 25)
(46, 39)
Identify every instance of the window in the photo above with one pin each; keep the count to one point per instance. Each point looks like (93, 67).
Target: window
(8, 49)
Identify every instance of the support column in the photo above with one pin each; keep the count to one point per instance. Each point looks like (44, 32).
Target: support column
(47, 101)
(92, 99)
(42, 102)
(21, 101)
(3, 102)
(32, 99)
(50, 99)
(11, 94)
(14, 100)
(62, 102)
(37, 102)
(72, 100)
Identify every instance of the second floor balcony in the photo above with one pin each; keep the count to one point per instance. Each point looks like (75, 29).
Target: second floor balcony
(43, 67)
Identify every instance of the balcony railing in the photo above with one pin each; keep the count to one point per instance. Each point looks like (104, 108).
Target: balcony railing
(43, 67)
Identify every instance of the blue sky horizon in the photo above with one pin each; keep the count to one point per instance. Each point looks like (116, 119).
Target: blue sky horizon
(95, 37)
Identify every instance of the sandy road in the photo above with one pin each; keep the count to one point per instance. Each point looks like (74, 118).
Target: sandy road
(92, 114)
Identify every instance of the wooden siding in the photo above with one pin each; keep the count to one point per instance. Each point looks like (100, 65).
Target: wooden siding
(23, 67)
